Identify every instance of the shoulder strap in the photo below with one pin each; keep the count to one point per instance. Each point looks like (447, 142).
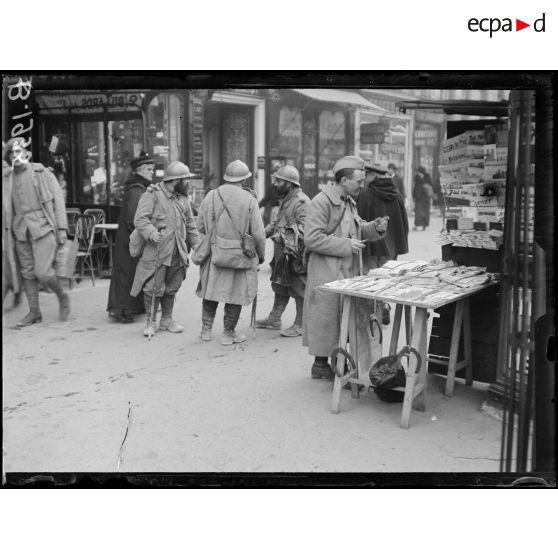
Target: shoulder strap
(229, 214)
(338, 222)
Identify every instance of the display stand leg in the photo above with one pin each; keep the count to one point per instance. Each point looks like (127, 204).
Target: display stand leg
(343, 336)
(416, 383)
(454, 348)
(356, 349)
(419, 403)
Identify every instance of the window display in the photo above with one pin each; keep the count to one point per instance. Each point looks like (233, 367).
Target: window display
(165, 119)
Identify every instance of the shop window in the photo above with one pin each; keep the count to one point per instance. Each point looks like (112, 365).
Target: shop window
(125, 143)
(92, 186)
(55, 152)
(289, 142)
(165, 130)
(332, 144)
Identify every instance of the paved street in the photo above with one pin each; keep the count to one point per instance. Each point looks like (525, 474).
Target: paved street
(68, 389)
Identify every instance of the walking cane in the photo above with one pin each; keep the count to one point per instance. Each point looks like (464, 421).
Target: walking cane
(253, 317)
(152, 309)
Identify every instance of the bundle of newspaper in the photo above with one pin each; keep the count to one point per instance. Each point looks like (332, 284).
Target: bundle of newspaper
(489, 240)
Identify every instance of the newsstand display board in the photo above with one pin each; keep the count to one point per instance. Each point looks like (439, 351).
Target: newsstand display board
(473, 182)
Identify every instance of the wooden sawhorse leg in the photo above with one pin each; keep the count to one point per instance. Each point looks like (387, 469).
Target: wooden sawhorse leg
(395, 329)
(461, 324)
(415, 388)
(339, 381)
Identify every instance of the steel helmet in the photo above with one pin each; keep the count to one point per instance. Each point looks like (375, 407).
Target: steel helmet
(288, 173)
(237, 171)
(177, 170)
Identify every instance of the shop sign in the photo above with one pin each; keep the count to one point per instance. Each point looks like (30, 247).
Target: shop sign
(393, 148)
(90, 102)
(426, 134)
(373, 133)
(196, 116)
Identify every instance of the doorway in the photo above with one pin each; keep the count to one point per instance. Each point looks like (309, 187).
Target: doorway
(228, 135)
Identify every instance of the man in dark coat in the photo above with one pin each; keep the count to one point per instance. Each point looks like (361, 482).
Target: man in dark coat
(122, 305)
(381, 197)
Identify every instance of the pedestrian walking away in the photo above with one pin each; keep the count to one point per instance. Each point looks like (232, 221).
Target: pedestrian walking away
(33, 198)
(228, 214)
(121, 304)
(333, 233)
(422, 196)
(381, 197)
(288, 270)
(165, 222)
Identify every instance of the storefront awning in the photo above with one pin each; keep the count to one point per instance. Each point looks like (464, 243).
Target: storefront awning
(465, 107)
(340, 97)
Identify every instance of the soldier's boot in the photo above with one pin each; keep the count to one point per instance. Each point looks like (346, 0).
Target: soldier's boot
(322, 369)
(31, 287)
(208, 316)
(166, 323)
(273, 321)
(150, 320)
(63, 297)
(230, 319)
(296, 329)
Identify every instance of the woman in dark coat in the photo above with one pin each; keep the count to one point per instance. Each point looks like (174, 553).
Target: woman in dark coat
(422, 194)
(121, 305)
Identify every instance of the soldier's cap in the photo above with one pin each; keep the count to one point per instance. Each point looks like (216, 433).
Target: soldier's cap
(375, 167)
(348, 162)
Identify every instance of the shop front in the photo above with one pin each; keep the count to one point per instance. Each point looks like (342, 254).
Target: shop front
(230, 125)
(89, 138)
(311, 129)
(385, 135)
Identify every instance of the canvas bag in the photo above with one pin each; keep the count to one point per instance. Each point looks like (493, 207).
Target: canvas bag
(65, 260)
(136, 244)
(202, 251)
(233, 253)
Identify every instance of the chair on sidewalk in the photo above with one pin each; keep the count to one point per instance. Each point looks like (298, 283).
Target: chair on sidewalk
(72, 214)
(100, 239)
(84, 234)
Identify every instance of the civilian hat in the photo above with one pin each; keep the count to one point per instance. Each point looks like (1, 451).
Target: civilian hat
(375, 167)
(142, 159)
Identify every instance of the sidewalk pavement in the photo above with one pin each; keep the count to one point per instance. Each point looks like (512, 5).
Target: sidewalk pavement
(194, 406)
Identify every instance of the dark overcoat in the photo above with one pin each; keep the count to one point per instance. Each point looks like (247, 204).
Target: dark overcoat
(124, 265)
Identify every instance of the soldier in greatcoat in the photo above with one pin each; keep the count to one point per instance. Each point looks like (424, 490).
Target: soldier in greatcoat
(164, 220)
(34, 205)
(334, 235)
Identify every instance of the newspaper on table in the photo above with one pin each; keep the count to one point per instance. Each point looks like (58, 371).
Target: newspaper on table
(431, 283)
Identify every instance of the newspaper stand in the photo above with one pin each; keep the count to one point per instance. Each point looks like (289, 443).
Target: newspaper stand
(416, 337)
